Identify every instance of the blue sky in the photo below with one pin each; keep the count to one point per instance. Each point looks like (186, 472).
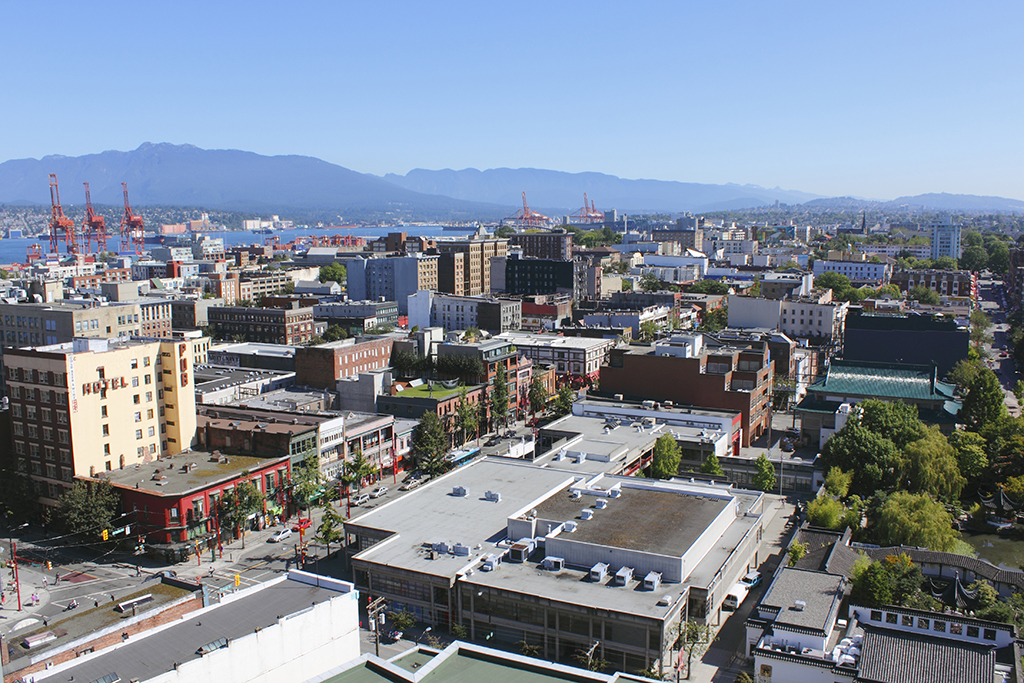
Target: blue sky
(873, 99)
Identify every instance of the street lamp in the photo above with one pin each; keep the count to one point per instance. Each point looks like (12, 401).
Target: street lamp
(424, 634)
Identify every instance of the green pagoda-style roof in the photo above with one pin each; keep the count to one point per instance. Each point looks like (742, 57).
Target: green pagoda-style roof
(886, 381)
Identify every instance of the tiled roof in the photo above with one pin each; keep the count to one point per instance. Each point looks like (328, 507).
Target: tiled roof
(897, 657)
(979, 567)
(882, 380)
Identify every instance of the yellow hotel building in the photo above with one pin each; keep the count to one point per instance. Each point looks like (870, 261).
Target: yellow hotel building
(93, 405)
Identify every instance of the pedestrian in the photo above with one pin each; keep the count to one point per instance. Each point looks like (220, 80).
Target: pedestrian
(44, 582)
(56, 578)
(138, 570)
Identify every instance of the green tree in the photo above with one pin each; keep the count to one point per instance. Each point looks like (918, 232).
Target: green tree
(923, 295)
(402, 620)
(764, 478)
(833, 281)
(429, 445)
(999, 259)
(708, 287)
(333, 272)
(307, 480)
(331, 529)
(693, 638)
(797, 550)
(837, 482)
(335, 333)
(712, 466)
(466, 416)
(1014, 488)
(88, 508)
(874, 461)
(970, 453)
(648, 330)
(238, 504)
(665, 459)
(984, 402)
(931, 467)
(825, 511)
(715, 319)
(980, 325)
(914, 519)
(974, 258)
(499, 395)
(945, 263)
(504, 232)
(1018, 390)
(564, 400)
(538, 396)
(873, 587)
(357, 469)
(893, 420)
(650, 283)
(964, 372)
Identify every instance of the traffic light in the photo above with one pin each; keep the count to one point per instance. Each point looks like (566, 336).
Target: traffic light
(238, 580)
(106, 534)
(49, 566)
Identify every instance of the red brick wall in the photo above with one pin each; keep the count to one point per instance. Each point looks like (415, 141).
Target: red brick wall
(322, 367)
(166, 616)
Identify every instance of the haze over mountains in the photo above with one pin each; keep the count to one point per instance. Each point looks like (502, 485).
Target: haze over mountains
(184, 175)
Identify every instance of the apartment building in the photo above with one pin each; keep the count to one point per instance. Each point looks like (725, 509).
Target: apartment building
(393, 278)
(94, 281)
(945, 238)
(687, 239)
(946, 283)
(382, 312)
(531, 276)
(574, 358)
(555, 245)
(323, 365)
(270, 325)
(698, 370)
(95, 405)
(855, 266)
(427, 309)
(473, 270)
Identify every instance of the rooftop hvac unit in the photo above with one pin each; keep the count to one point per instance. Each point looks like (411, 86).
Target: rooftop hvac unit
(491, 563)
(652, 581)
(614, 493)
(492, 496)
(623, 576)
(555, 564)
(440, 547)
(460, 491)
(599, 571)
(575, 494)
(587, 514)
(570, 526)
(601, 504)
(799, 605)
(460, 549)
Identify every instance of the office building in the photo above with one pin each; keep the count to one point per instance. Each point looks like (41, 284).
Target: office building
(290, 326)
(915, 339)
(529, 277)
(945, 283)
(555, 245)
(469, 275)
(323, 365)
(393, 278)
(945, 238)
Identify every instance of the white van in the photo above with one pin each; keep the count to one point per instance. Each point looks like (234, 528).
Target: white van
(737, 594)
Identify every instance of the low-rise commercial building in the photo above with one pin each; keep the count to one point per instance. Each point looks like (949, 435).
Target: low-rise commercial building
(428, 309)
(323, 365)
(957, 284)
(555, 245)
(855, 266)
(577, 359)
(291, 326)
(513, 552)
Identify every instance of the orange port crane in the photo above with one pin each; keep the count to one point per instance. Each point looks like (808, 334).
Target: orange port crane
(131, 226)
(588, 214)
(61, 227)
(527, 217)
(94, 226)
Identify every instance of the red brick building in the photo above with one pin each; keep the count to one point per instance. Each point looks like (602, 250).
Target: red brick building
(322, 366)
(700, 371)
(173, 500)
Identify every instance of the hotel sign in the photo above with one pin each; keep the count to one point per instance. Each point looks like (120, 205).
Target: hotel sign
(103, 384)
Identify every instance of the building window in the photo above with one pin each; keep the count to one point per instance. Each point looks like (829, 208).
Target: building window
(105, 430)
(138, 417)
(990, 634)
(972, 631)
(138, 434)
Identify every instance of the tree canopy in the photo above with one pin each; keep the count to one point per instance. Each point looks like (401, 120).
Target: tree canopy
(914, 519)
(665, 459)
(708, 287)
(712, 466)
(764, 477)
(429, 444)
(333, 272)
(984, 402)
(89, 507)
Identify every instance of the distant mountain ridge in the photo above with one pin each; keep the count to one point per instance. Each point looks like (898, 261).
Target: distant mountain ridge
(185, 175)
(234, 180)
(563, 192)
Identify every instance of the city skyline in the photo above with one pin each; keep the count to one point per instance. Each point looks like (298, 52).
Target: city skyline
(875, 101)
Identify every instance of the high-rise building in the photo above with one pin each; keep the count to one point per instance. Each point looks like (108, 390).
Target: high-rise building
(946, 239)
(93, 405)
(555, 245)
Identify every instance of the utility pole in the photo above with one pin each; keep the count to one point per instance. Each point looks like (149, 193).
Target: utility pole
(375, 610)
(17, 583)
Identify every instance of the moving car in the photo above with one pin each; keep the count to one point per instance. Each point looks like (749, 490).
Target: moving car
(280, 535)
(379, 491)
(410, 485)
(362, 500)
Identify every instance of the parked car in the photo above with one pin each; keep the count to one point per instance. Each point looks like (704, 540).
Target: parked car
(737, 594)
(410, 485)
(302, 525)
(362, 499)
(493, 441)
(752, 579)
(379, 491)
(280, 535)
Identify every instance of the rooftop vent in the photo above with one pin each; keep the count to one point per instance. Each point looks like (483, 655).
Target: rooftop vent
(491, 563)
(587, 514)
(601, 504)
(575, 494)
(652, 581)
(614, 493)
(570, 526)
(440, 547)
(599, 571)
(623, 576)
(461, 550)
(799, 605)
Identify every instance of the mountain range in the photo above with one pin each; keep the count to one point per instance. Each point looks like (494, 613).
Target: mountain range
(187, 176)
